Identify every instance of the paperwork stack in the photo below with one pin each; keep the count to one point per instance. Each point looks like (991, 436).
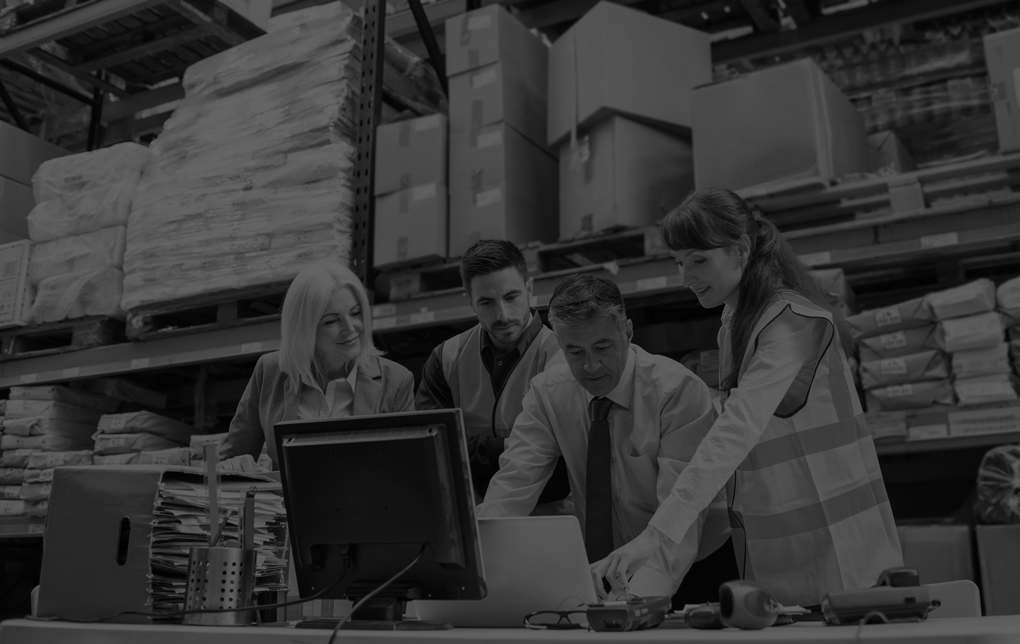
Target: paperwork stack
(252, 177)
(78, 225)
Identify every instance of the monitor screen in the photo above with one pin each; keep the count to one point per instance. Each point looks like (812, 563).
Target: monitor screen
(364, 494)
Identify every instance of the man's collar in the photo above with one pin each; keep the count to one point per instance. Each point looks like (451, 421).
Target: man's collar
(531, 332)
(623, 393)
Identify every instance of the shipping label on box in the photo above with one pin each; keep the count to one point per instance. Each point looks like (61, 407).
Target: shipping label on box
(992, 420)
(411, 153)
(15, 292)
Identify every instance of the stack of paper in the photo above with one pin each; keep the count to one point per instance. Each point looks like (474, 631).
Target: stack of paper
(181, 522)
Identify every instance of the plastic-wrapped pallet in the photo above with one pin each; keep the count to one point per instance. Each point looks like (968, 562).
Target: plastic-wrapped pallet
(68, 178)
(74, 295)
(251, 178)
(100, 249)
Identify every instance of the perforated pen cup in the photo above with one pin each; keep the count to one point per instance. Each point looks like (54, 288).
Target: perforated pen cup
(220, 578)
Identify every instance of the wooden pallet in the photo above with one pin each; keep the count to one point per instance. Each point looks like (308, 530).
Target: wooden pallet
(800, 204)
(59, 337)
(207, 312)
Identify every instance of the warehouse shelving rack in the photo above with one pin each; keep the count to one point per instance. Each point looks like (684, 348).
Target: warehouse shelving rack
(871, 248)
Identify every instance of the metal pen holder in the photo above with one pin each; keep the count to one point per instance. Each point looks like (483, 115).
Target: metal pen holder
(218, 579)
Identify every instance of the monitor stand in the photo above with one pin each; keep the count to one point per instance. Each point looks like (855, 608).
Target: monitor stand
(378, 614)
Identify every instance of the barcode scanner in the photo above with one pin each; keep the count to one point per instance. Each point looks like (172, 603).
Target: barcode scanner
(747, 605)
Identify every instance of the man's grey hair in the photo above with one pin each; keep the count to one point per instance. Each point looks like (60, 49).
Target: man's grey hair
(584, 298)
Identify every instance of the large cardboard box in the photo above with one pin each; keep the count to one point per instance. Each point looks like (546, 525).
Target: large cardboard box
(512, 91)
(16, 293)
(410, 153)
(21, 153)
(999, 555)
(485, 36)
(622, 61)
(410, 226)
(1002, 54)
(780, 128)
(16, 201)
(502, 186)
(621, 173)
(938, 553)
(97, 540)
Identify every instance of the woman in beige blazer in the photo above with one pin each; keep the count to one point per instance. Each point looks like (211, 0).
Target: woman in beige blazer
(327, 365)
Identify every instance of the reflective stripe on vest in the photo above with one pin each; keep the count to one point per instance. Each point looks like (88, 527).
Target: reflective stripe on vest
(471, 384)
(810, 495)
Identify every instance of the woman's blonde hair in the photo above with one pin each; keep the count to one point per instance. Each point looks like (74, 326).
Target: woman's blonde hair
(303, 307)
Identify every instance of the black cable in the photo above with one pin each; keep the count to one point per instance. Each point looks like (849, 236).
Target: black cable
(375, 592)
(206, 611)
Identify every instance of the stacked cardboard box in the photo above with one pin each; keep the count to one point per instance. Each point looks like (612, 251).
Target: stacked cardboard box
(78, 224)
(410, 191)
(620, 84)
(800, 132)
(252, 177)
(502, 177)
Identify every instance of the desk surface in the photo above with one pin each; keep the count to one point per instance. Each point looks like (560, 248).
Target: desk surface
(981, 630)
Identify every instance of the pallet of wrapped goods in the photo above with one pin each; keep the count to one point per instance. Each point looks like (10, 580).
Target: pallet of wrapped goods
(251, 178)
(99, 249)
(94, 292)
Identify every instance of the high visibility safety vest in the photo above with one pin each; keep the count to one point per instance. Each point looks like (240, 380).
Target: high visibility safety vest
(808, 507)
(486, 410)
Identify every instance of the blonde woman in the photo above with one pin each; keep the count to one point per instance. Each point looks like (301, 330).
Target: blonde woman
(327, 366)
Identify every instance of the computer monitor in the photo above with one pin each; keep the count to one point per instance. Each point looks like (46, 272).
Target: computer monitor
(364, 494)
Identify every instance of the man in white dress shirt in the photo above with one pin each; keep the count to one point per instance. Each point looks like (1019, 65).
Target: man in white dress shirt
(626, 422)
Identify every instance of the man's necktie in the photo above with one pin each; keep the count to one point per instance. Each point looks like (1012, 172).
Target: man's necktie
(598, 514)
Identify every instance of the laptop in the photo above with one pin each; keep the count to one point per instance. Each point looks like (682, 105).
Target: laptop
(531, 564)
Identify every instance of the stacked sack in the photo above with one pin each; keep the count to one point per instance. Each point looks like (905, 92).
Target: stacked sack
(1008, 298)
(122, 439)
(46, 427)
(79, 227)
(974, 334)
(903, 366)
(10, 483)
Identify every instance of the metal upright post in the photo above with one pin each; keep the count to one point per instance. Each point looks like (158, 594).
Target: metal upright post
(373, 42)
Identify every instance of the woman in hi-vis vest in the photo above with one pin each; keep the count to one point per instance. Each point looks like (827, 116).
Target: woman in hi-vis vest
(808, 508)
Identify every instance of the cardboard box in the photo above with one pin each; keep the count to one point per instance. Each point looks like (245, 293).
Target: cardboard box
(888, 154)
(98, 532)
(16, 201)
(999, 558)
(485, 36)
(410, 226)
(511, 91)
(938, 553)
(621, 173)
(1002, 54)
(502, 186)
(21, 154)
(988, 419)
(917, 367)
(616, 60)
(927, 424)
(887, 425)
(15, 291)
(780, 128)
(411, 153)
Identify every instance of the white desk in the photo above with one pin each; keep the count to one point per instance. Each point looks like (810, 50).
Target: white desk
(980, 630)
